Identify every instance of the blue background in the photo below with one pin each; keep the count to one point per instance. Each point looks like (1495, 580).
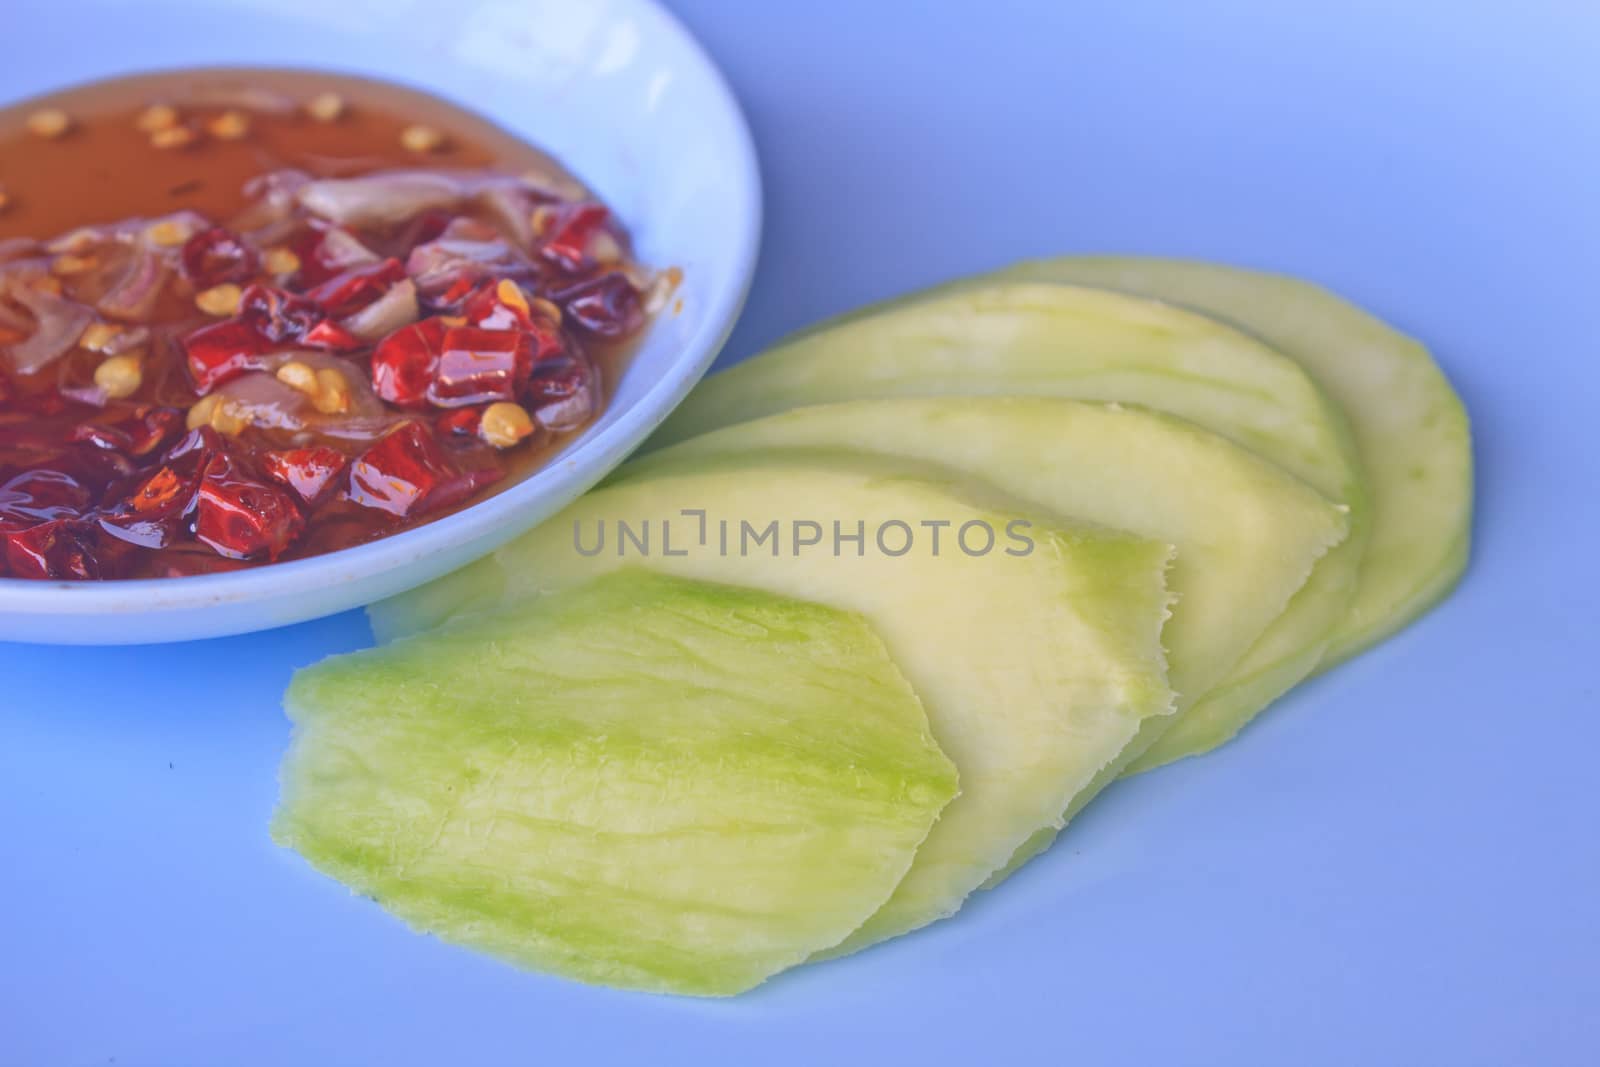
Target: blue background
(1398, 865)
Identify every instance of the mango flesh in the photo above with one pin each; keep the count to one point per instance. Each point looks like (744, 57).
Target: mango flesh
(1043, 339)
(1036, 669)
(1247, 533)
(643, 782)
(1410, 428)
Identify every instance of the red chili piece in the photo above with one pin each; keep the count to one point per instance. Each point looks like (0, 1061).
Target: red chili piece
(241, 518)
(310, 472)
(479, 366)
(404, 363)
(408, 474)
(41, 496)
(349, 292)
(607, 306)
(64, 549)
(218, 255)
(151, 516)
(570, 232)
(268, 321)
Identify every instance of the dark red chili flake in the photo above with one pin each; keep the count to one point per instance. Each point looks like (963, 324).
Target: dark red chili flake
(241, 518)
(277, 315)
(606, 306)
(404, 363)
(560, 394)
(218, 255)
(150, 515)
(404, 472)
(310, 472)
(63, 549)
(136, 433)
(41, 496)
(570, 233)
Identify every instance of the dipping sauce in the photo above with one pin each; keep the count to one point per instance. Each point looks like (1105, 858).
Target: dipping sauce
(248, 316)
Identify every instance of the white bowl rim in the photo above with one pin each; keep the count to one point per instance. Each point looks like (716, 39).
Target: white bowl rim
(586, 459)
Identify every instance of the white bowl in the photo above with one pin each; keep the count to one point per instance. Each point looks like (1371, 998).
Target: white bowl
(614, 88)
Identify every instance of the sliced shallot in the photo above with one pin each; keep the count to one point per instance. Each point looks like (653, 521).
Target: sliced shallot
(380, 199)
(394, 309)
(57, 325)
(133, 297)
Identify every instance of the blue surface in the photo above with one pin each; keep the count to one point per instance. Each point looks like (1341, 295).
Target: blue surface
(1398, 865)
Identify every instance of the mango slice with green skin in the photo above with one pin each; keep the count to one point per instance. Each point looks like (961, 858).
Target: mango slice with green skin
(1042, 339)
(1410, 427)
(641, 782)
(1036, 669)
(1247, 533)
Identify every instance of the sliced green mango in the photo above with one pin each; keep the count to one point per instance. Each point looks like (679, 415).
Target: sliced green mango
(1036, 668)
(641, 782)
(1247, 533)
(1040, 339)
(1410, 427)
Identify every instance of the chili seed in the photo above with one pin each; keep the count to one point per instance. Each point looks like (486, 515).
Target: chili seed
(173, 137)
(120, 376)
(510, 294)
(70, 264)
(333, 392)
(157, 117)
(504, 424)
(167, 233)
(231, 125)
(50, 122)
(420, 138)
(97, 337)
(326, 107)
(280, 261)
(604, 248)
(299, 377)
(226, 418)
(200, 414)
(220, 300)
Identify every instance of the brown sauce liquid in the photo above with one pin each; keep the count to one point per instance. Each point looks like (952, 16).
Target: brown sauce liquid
(105, 168)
